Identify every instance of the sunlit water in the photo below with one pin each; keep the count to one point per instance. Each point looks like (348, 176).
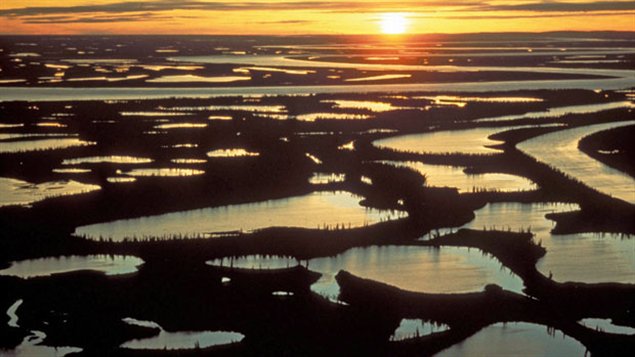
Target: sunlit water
(41, 145)
(153, 114)
(21, 193)
(413, 328)
(12, 136)
(454, 176)
(190, 78)
(560, 150)
(462, 101)
(605, 325)
(107, 264)
(314, 210)
(188, 161)
(320, 178)
(280, 60)
(587, 257)
(273, 69)
(181, 126)
(235, 152)
(465, 141)
(180, 340)
(255, 262)
(311, 117)
(12, 313)
(381, 77)
(114, 159)
(107, 79)
(161, 172)
(415, 268)
(31, 344)
(253, 108)
(562, 111)
(122, 93)
(516, 339)
(373, 106)
(71, 171)
(121, 179)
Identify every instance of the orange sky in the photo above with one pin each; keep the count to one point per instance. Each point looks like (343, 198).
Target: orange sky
(308, 17)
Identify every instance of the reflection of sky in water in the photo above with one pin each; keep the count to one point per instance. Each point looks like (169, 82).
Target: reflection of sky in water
(372, 106)
(185, 78)
(466, 141)
(317, 209)
(31, 344)
(560, 150)
(453, 176)
(114, 159)
(12, 313)
(231, 153)
(561, 111)
(82, 94)
(259, 262)
(310, 117)
(280, 60)
(180, 340)
(181, 126)
(44, 144)
(319, 178)
(162, 172)
(16, 192)
(515, 339)
(586, 257)
(606, 326)
(423, 269)
(381, 77)
(411, 328)
(469, 141)
(462, 101)
(109, 265)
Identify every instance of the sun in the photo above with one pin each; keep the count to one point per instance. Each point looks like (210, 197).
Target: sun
(393, 23)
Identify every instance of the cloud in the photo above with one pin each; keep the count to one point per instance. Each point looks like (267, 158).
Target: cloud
(68, 19)
(285, 22)
(136, 11)
(556, 6)
(494, 16)
(165, 5)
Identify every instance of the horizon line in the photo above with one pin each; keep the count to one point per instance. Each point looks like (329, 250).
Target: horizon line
(323, 34)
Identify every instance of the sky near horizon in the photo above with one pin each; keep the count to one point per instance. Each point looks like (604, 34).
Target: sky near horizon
(280, 17)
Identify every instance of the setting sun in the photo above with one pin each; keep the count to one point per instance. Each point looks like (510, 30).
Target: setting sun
(393, 24)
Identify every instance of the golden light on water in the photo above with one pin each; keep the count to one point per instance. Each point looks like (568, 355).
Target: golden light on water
(393, 23)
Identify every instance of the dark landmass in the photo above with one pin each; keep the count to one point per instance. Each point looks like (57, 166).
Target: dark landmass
(176, 289)
(613, 147)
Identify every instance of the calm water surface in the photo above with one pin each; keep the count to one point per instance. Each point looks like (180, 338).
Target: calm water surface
(122, 93)
(587, 257)
(464, 141)
(560, 150)
(21, 193)
(314, 210)
(562, 111)
(181, 340)
(516, 339)
(256, 262)
(454, 176)
(412, 328)
(41, 145)
(423, 269)
(107, 264)
(32, 345)
(607, 326)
